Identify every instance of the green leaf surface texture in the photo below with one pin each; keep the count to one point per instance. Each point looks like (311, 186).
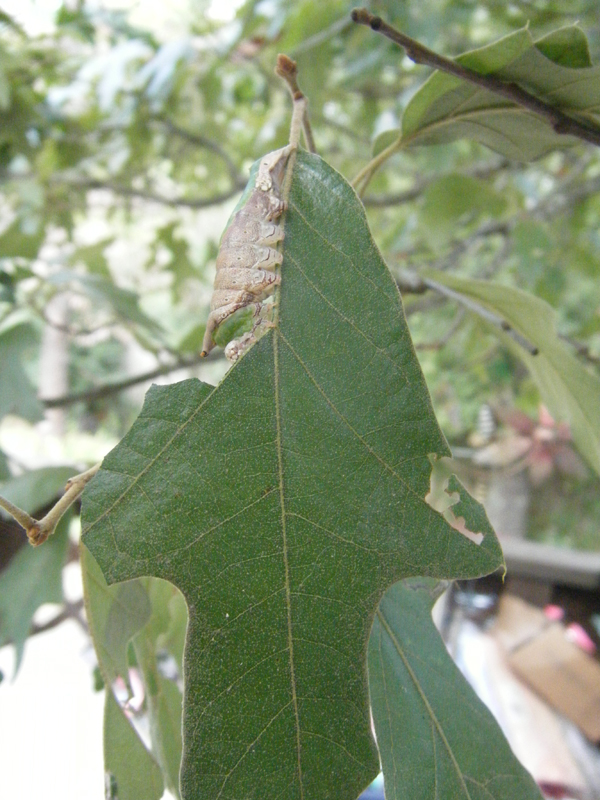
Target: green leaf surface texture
(555, 69)
(283, 503)
(416, 694)
(568, 389)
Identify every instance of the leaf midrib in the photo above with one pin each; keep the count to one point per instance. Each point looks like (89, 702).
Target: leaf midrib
(288, 598)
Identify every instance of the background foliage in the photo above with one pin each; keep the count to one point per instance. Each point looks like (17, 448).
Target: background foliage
(123, 147)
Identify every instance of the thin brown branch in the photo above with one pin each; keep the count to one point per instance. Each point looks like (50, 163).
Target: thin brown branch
(410, 282)
(561, 123)
(39, 530)
(128, 191)
(119, 386)
(69, 611)
(385, 200)
(581, 350)
(200, 140)
(22, 517)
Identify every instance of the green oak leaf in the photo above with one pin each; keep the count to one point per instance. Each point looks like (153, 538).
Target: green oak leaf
(282, 503)
(416, 691)
(557, 69)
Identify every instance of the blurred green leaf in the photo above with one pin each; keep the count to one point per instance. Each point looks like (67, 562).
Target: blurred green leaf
(179, 264)
(115, 614)
(4, 470)
(568, 389)
(124, 302)
(192, 341)
(17, 395)
(456, 200)
(93, 257)
(416, 693)
(16, 243)
(163, 698)
(282, 503)
(126, 761)
(33, 577)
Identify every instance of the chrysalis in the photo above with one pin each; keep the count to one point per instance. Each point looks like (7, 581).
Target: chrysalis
(248, 259)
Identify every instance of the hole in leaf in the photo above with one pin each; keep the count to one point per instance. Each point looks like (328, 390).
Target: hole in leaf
(444, 495)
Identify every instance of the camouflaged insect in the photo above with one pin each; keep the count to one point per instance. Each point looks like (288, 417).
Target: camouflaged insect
(248, 259)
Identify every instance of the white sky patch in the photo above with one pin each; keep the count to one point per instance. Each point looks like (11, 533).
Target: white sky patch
(223, 10)
(35, 16)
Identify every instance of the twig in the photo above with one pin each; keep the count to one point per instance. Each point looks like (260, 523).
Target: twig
(443, 340)
(561, 123)
(385, 200)
(412, 283)
(119, 386)
(287, 69)
(203, 141)
(70, 611)
(39, 530)
(128, 191)
(581, 349)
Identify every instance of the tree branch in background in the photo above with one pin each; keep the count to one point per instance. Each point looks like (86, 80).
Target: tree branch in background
(203, 141)
(69, 611)
(128, 191)
(581, 350)
(398, 199)
(411, 283)
(120, 386)
(560, 122)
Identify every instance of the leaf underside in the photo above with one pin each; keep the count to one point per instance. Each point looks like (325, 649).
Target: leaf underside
(555, 69)
(567, 388)
(283, 503)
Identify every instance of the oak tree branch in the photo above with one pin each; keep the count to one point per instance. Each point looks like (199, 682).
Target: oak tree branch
(561, 123)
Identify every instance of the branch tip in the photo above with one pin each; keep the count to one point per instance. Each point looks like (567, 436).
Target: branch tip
(361, 16)
(285, 66)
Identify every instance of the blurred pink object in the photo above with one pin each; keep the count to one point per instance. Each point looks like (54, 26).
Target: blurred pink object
(577, 635)
(554, 613)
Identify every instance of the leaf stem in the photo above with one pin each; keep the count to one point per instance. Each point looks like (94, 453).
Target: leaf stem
(363, 178)
(562, 124)
(288, 71)
(39, 530)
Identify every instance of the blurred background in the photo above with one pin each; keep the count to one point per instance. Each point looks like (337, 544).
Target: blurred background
(127, 130)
